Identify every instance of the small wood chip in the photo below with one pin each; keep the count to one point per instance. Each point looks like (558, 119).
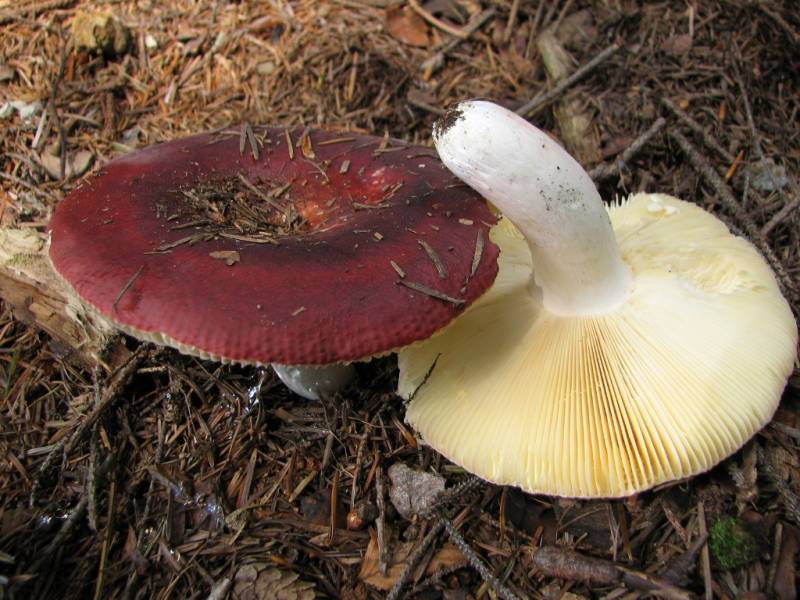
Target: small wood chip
(249, 238)
(289, 144)
(243, 138)
(250, 186)
(437, 262)
(337, 141)
(127, 286)
(378, 236)
(195, 223)
(306, 148)
(424, 289)
(253, 141)
(397, 269)
(298, 311)
(345, 167)
(391, 191)
(231, 257)
(361, 206)
(189, 239)
(476, 258)
(384, 141)
(466, 221)
(278, 191)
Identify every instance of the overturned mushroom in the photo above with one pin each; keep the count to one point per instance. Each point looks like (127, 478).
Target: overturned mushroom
(301, 248)
(616, 350)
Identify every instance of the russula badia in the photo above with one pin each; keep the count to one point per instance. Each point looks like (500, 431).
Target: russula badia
(616, 350)
(319, 250)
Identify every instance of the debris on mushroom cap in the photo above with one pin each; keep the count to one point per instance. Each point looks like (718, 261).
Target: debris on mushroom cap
(666, 386)
(312, 283)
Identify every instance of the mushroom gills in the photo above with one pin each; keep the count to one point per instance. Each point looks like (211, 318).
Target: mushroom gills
(618, 348)
(315, 382)
(664, 387)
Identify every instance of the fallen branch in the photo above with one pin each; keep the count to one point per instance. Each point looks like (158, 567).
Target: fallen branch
(555, 561)
(118, 380)
(678, 569)
(791, 203)
(475, 561)
(38, 296)
(698, 129)
(782, 214)
(541, 100)
(780, 21)
(438, 23)
(460, 493)
(702, 166)
(414, 559)
(607, 170)
(435, 62)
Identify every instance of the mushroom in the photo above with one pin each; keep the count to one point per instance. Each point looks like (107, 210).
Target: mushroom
(618, 349)
(310, 250)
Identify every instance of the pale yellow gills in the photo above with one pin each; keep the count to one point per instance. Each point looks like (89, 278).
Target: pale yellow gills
(663, 387)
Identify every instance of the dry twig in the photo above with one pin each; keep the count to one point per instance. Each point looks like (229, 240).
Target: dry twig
(476, 562)
(704, 168)
(542, 99)
(605, 171)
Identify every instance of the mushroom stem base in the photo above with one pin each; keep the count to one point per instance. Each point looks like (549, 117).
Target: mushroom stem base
(314, 382)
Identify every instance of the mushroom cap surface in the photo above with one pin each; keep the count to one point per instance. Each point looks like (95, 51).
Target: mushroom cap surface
(661, 388)
(172, 244)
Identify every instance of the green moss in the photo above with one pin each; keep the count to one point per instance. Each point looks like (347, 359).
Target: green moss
(731, 544)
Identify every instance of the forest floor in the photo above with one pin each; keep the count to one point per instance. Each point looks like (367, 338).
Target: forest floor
(173, 477)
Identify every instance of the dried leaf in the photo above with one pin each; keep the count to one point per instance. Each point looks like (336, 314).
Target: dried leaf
(261, 581)
(407, 26)
(448, 557)
(413, 491)
(231, 257)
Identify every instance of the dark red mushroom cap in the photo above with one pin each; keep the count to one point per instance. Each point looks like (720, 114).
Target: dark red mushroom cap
(297, 247)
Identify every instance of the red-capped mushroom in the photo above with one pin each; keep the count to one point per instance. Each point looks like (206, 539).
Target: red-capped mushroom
(302, 248)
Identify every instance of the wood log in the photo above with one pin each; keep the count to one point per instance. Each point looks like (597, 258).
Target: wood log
(38, 296)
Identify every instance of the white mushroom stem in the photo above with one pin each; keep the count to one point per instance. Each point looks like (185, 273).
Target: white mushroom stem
(314, 382)
(549, 197)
